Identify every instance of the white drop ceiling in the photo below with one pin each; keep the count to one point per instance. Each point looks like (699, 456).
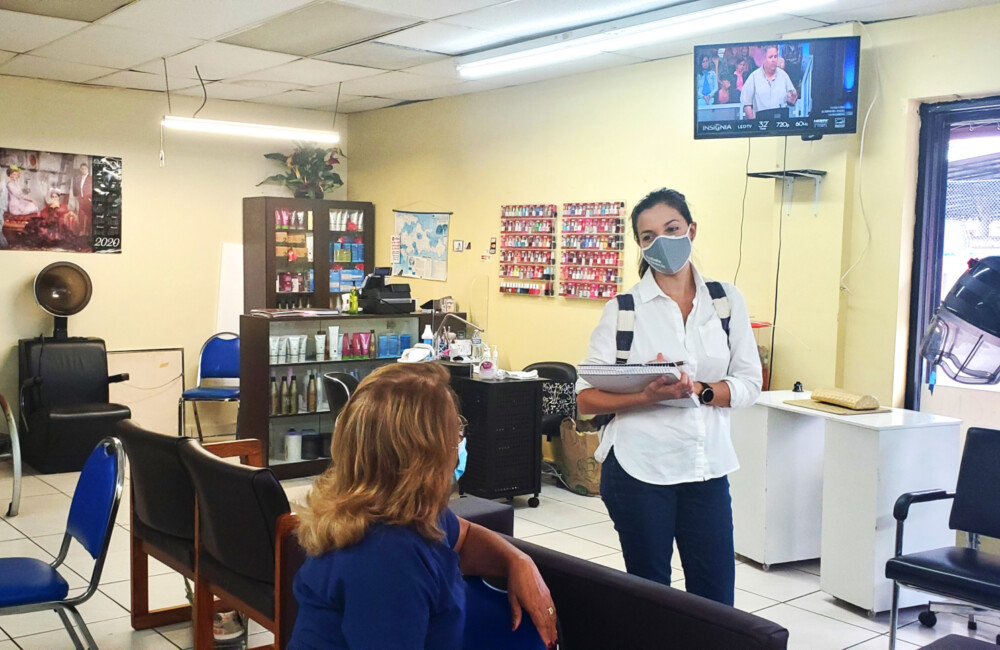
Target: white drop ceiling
(374, 53)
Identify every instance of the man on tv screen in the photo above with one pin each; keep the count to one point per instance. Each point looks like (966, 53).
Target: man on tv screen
(768, 87)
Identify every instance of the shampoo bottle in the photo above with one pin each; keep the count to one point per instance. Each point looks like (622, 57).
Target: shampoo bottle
(293, 396)
(275, 403)
(311, 394)
(286, 406)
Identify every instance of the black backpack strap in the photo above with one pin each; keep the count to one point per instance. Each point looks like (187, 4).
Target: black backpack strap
(721, 303)
(626, 326)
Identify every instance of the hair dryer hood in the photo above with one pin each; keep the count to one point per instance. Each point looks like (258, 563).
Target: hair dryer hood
(63, 289)
(964, 337)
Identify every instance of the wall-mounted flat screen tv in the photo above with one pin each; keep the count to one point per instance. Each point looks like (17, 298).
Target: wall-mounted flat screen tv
(805, 87)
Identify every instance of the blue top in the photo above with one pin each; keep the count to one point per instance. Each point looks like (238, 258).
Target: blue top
(392, 590)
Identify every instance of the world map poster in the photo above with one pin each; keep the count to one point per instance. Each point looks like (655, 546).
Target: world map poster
(423, 245)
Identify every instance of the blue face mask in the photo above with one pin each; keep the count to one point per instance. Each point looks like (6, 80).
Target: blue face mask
(463, 456)
(668, 254)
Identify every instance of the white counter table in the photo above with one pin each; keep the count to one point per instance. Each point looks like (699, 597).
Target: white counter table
(813, 484)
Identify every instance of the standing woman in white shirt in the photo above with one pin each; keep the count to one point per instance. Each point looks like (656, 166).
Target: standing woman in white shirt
(664, 467)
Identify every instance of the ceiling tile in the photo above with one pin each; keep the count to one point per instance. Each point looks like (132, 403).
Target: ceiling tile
(114, 47)
(37, 67)
(197, 18)
(389, 83)
(439, 37)
(443, 68)
(745, 33)
(218, 61)
(88, 11)
(318, 28)
(239, 91)
(380, 55)
(531, 17)
(310, 72)
(6, 56)
(425, 9)
(367, 104)
(463, 88)
(860, 10)
(144, 81)
(22, 32)
(305, 99)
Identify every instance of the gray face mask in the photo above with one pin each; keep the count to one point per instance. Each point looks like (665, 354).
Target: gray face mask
(668, 254)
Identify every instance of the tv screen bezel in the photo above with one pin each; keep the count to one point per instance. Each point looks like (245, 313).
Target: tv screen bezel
(811, 132)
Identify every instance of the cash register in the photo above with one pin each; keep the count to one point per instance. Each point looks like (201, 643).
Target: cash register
(378, 297)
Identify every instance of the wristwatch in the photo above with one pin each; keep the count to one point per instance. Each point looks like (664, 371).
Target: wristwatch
(707, 394)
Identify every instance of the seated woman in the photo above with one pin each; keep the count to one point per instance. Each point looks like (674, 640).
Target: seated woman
(386, 555)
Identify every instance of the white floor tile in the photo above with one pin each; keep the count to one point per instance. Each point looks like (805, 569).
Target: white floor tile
(559, 515)
(882, 643)
(809, 566)
(779, 583)
(8, 645)
(748, 602)
(260, 639)
(570, 545)
(31, 486)
(524, 528)
(98, 608)
(42, 515)
(116, 634)
(615, 561)
(594, 503)
(65, 483)
(808, 631)
(947, 624)
(165, 590)
(603, 533)
(826, 605)
(180, 634)
(8, 532)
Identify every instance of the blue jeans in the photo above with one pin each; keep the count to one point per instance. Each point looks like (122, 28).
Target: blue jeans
(648, 517)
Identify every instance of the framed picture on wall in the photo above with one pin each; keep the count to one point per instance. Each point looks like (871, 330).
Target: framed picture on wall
(60, 202)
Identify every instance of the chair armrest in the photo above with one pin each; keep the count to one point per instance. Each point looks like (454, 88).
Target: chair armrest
(903, 503)
(114, 379)
(288, 558)
(902, 509)
(250, 450)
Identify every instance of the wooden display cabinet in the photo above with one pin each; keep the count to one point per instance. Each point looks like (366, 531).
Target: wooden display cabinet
(301, 253)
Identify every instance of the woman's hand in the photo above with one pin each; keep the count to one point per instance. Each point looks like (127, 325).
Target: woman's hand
(659, 390)
(526, 590)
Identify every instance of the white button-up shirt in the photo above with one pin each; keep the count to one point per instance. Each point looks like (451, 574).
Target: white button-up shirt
(665, 445)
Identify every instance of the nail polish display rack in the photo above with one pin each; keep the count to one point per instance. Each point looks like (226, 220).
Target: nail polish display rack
(528, 249)
(592, 250)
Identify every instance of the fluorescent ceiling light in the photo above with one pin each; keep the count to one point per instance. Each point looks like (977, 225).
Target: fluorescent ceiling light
(634, 36)
(249, 130)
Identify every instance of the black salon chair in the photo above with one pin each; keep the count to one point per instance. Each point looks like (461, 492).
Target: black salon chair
(339, 387)
(558, 395)
(163, 528)
(966, 574)
(237, 558)
(65, 409)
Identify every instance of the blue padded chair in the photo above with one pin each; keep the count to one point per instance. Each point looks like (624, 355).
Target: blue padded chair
(31, 585)
(219, 359)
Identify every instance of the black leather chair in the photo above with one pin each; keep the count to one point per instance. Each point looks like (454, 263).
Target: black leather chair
(966, 574)
(237, 535)
(163, 526)
(558, 395)
(64, 403)
(600, 607)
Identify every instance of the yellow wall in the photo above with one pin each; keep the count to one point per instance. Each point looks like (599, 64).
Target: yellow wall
(162, 290)
(616, 134)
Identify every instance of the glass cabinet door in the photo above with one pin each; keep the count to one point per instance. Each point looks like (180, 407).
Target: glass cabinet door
(294, 250)
(347, 251)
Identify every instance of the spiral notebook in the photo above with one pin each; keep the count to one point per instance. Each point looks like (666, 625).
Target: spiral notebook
(627, 377)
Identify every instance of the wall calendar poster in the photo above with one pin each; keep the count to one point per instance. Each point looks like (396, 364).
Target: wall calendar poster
(60, 202)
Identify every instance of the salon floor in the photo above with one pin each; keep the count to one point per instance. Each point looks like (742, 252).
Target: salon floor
(577, 525)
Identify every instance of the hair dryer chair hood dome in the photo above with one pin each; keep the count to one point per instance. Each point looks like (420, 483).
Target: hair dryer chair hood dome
(964, 337)
(63, 288)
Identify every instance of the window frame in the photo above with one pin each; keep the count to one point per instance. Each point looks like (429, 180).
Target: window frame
(936, 123)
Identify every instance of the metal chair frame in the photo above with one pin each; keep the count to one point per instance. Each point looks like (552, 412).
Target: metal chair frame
(182, 415)
(67, 608)
(14, 455)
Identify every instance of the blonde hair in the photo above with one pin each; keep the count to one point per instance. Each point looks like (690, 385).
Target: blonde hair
(394, 448)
